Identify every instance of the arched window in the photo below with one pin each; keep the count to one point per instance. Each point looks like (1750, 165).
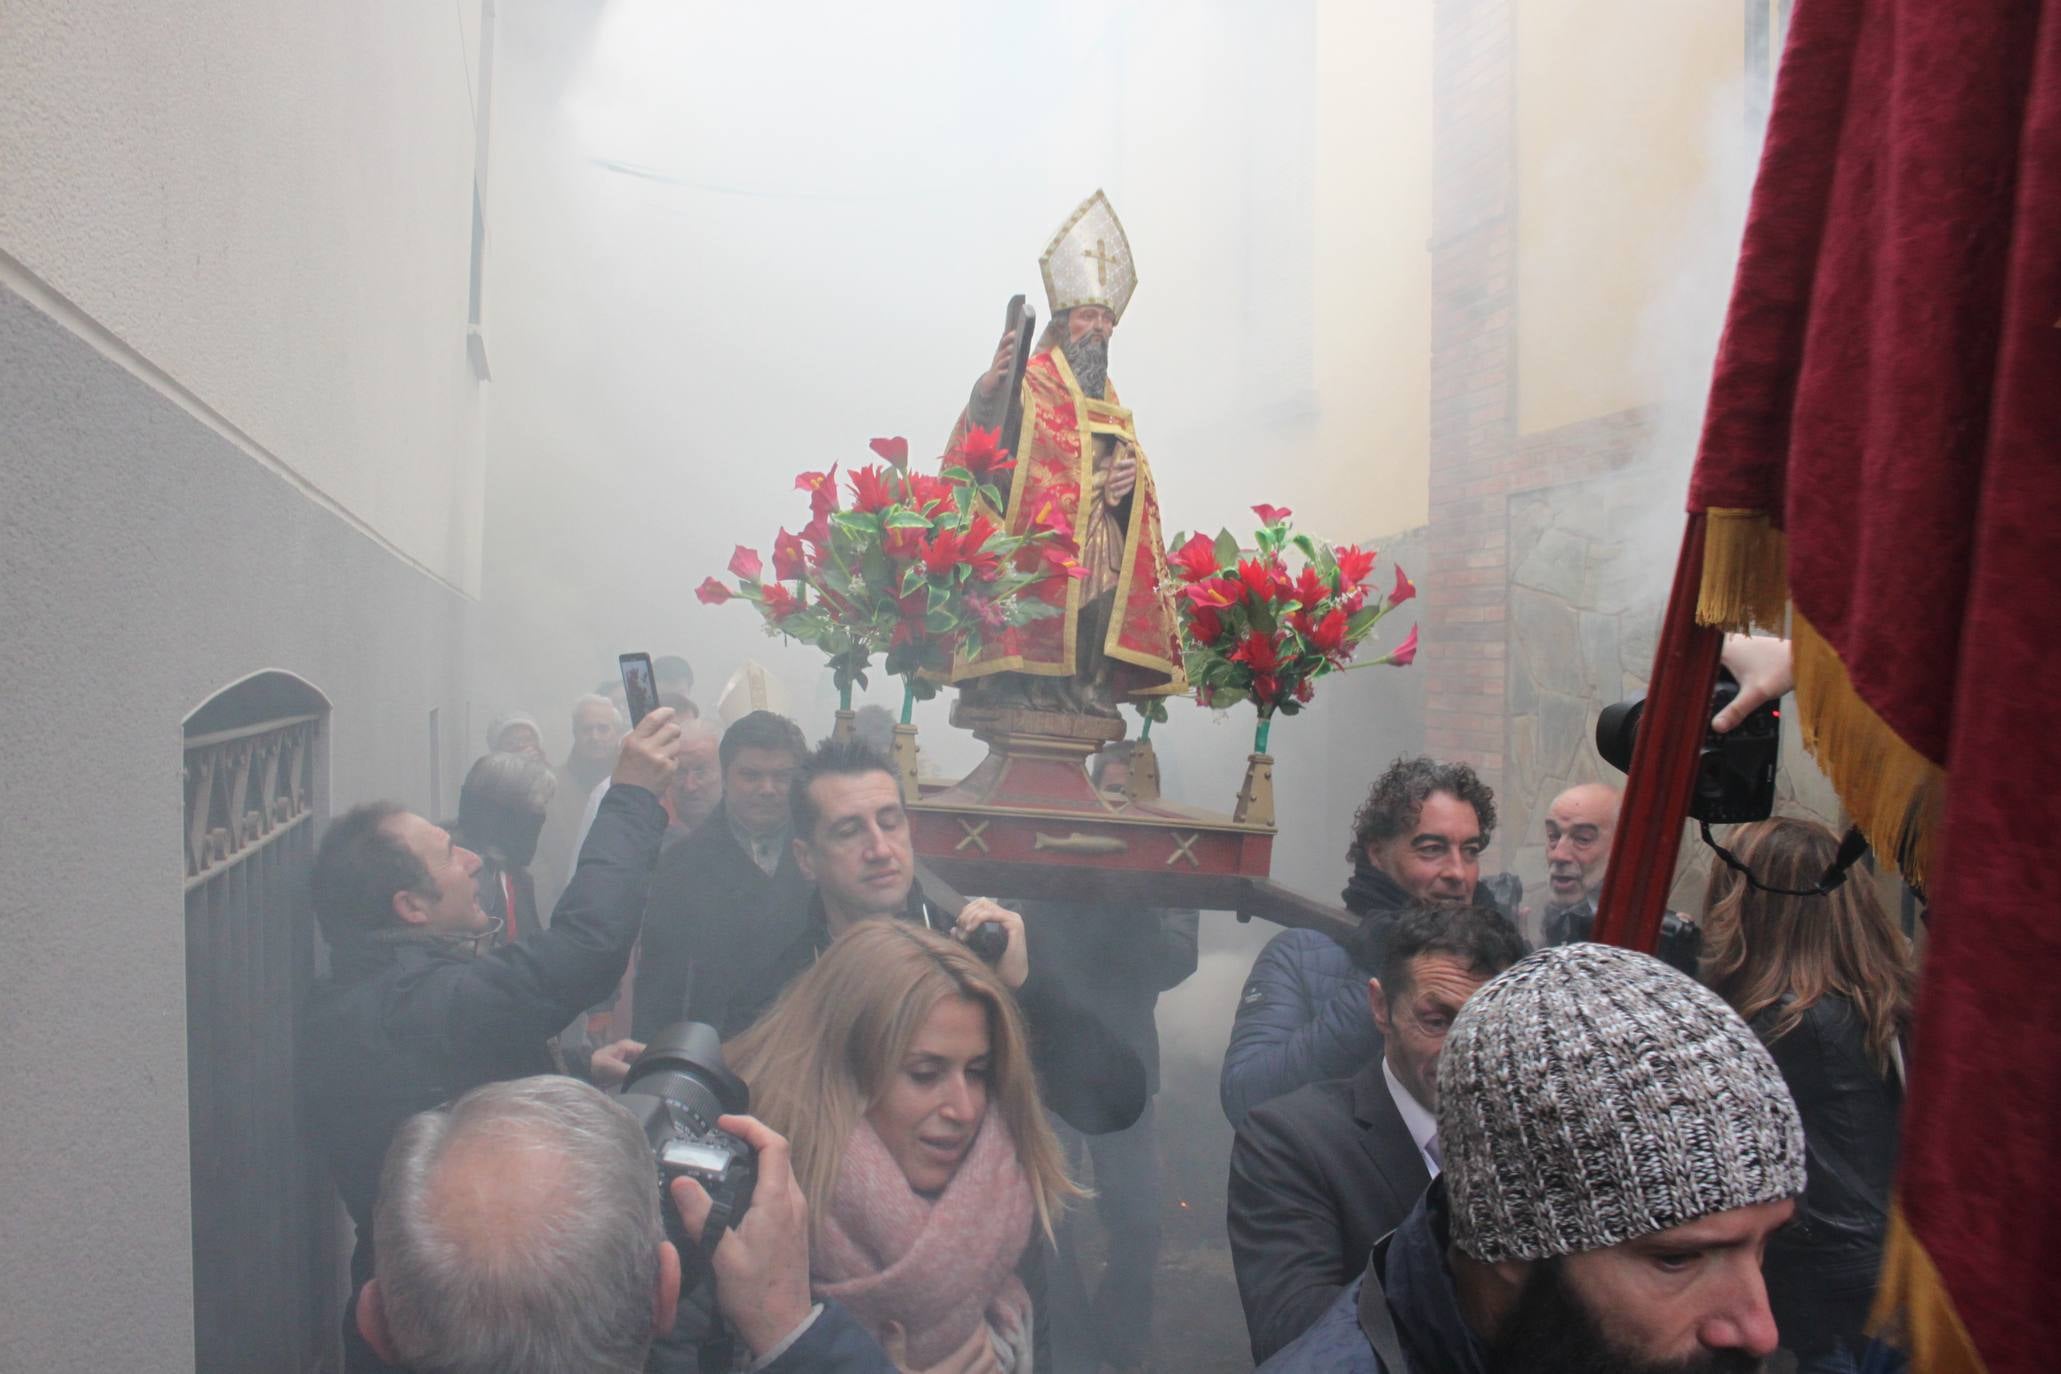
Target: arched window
(266, 1249)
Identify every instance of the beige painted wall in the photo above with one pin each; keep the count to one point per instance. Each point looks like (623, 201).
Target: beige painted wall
(1626, 110)
(268, 208)
(1371, 455)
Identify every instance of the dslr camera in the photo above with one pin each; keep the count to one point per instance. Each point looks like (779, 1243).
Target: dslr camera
(676, 1090)
(1735, 774)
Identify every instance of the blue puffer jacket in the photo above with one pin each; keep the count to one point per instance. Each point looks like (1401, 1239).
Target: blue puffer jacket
(1302, 1017)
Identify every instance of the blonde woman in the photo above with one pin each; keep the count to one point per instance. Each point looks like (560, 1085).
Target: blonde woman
(898, 1068)
(1826, 982)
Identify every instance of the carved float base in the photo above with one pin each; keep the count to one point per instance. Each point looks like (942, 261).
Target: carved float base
(1031, 802)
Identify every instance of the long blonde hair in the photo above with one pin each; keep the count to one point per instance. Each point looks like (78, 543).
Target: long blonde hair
(828, 1049)
(1762, 947)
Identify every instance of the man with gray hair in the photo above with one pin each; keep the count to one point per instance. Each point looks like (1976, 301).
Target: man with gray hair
(519, 1233)
(1617, 1147)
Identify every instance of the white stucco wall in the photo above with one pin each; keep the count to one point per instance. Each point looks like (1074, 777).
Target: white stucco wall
(272, 205)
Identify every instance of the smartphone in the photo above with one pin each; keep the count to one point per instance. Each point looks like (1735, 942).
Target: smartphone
(640, 686)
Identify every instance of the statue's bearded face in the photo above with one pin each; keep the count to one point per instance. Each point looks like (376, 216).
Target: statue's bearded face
(1088, 328)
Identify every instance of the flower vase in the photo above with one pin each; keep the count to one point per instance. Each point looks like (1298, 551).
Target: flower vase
(905, 762)
(1256, 797)
(847, 722)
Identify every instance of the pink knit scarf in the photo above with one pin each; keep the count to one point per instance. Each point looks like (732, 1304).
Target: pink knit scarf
(937, 1267)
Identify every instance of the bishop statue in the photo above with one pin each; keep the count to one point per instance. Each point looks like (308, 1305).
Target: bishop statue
(1077, 453)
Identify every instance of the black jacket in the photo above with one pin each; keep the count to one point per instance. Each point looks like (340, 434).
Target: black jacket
(1115, 961)
(403, 1025)
(1821, 1271)
(719, 934)
(1409, 1269)
(1317, 1176)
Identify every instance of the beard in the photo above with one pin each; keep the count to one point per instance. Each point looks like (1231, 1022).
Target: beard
(1552, 1330)
(1089, 359)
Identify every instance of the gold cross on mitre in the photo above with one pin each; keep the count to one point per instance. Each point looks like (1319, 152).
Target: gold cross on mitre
(1091, 234)
(1099, 254)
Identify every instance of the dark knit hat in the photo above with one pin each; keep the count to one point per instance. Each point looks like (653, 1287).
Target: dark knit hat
(1590, 1095)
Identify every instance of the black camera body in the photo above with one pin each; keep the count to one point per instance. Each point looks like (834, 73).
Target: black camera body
(676, 1090)
(1735, 774)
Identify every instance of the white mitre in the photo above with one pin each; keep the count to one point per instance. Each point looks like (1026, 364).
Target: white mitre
(1088, 261)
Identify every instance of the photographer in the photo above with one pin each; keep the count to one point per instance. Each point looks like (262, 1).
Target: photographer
(533, 1200)
(413, 1014)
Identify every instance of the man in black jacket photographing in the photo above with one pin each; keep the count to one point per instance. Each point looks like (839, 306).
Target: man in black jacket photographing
(413, 1014)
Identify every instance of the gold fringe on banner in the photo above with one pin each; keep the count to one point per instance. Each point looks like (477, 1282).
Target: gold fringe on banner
(1913, 1310)
(1745, 571)
(1891, 790)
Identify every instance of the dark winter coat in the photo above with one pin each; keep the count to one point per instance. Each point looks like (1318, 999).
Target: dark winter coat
(1317, 1176)
(403, 1025)
(1821, 1271)
(1410, 1269)
(718, 934)
(1114, 962)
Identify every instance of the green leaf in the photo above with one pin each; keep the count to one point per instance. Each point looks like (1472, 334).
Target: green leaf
(902, 518)
(1227, 549)
(1308, 547)
(855, 525)
(1361, 622)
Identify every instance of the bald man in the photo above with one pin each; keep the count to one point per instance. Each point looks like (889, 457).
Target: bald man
(1579, 828)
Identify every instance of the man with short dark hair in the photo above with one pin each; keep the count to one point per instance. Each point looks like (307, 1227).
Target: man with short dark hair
(1302, 1017)
(723, 899)
(1617, 1149)
(1319, 1174)
(519, 1233)
(413, 1013)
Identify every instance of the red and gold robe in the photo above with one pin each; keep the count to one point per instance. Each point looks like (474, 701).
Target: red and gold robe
(1058, 461)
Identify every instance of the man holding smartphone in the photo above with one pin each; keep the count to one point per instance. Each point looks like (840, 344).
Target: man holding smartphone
(413, 1013)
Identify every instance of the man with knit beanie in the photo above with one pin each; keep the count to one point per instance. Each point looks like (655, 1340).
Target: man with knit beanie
(1617, 1149)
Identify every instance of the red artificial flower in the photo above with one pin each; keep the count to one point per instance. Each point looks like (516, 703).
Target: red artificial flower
(1195, 559)
(1050, 516)
(822, 490)
(1328, 635)
(1406, 652)
(1217, 592)
(931, 496)
(1354, 563)
(789, 559)
(1305, 690)
(1266, 689)
(745, 563)
(982, 455)
(1258, 580)
(942, 554)
(870, 489)
(713, 593)
(1272, 515)
(902, 543)
(988, 612)
(1299, 621)
(1205, 624)
(1309, 588)
(986, 564)
(1404, 588)
(816, 534)
(779, 603)
(1257, 652)
(895, 450)
(1354, 599)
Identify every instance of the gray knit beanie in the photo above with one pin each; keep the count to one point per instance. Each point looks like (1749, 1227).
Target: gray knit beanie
(1591, 1094)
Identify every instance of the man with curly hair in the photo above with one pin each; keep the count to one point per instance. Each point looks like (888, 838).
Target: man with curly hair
(1303, 1017)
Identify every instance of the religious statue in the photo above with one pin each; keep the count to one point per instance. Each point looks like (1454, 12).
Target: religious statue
(1077, 454)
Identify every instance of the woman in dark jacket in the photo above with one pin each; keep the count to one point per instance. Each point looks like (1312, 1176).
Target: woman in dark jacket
(1826, 982)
